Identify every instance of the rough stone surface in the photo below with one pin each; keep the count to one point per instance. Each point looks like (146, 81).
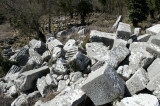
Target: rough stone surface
(80, 61)
(154, 30)
(42, 86)
(25, 81)
(155, 39)
(68, 97)
(75, 76)
(61, 85)
(123, 31)
(139, 100)
(140, 58)
(103, 85)
(61, 33)
(46, 55)
(106, 38)
(57, 52)
(125, 72)
(116, 56)
(137, 31)
(70, 43)
(154, 82)
(13, 91)
(96, 50)
(144, 38)
(50, 80)
(53, 43)
(138, 81)
(19, 101)
(153, 69)
(60, 67)
(32, 96)
(115, 25)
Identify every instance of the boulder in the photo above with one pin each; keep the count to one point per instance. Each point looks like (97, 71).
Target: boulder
(13, 91)
(140, 58)
(57, 52)
(96, 50)
(139, 100)
(138, 81)
(103, 85)
(83, 31)
(38, 46)
(3, 87)
(154, 30)
(34, 95)
(157, 92)
(71, 52)
(46, 55)
(49, 36)
(106, 38)
(60, 67)
(21, 100)
(61, 85)
(116, 55)
(155, 40)
(123, 31)
(69, 44)
(137, 31)
(79, 61)
(53, 43)
(153, 69)
(118, 42)
(68, 97)
(154, 82)
(124, 71)
(27, 79)
(75, 76)
(50, 80)
(143, 38)
(42, 86)
(115, 25)
(33, 53)
(12, 73)
(61, 33)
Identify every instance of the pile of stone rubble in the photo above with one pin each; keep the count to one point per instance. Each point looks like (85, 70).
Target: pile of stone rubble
(120, 68)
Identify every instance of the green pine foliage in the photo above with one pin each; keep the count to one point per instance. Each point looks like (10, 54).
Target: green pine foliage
(138, 11)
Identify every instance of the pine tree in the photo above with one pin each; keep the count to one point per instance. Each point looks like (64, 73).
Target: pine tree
(138, 11)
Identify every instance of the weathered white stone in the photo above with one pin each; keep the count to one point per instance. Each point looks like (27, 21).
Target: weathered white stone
(143, 38)
(106, 38)
(139, 100)
(79, 61)
(155, 40)
(75, 76)
(57, 52)
(116, 55)
(154, 82)
(69, 44)
(13, 91)
(153, 69)
(71, 52)
(118, 42)
(20, 100)
(103, 85)
(96, 50)
(35, 60)
(3, 87)
(46, 55)
(123, 31)
(140, 58)
(60, 67)
(50, 80)
(68, 97)
(42, 86)
(61, 33)
(137, 31)
(34, 95)
(125, 72)
(138, 81)
(25, 81)
(54, 43)
(12, 73)
(115, 25)
(83, 31)
(38, 46)
(154, 30)
(61, 85)
(60, 77)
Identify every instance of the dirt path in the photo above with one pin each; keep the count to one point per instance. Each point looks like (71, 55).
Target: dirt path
(5, 31)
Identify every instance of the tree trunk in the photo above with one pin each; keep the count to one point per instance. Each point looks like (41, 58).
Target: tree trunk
(49, 17)
(82, 20)
(152, 14)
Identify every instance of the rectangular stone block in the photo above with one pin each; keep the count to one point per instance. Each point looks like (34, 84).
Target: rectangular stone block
(123, 31)
(103, 85)
(154, 30)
